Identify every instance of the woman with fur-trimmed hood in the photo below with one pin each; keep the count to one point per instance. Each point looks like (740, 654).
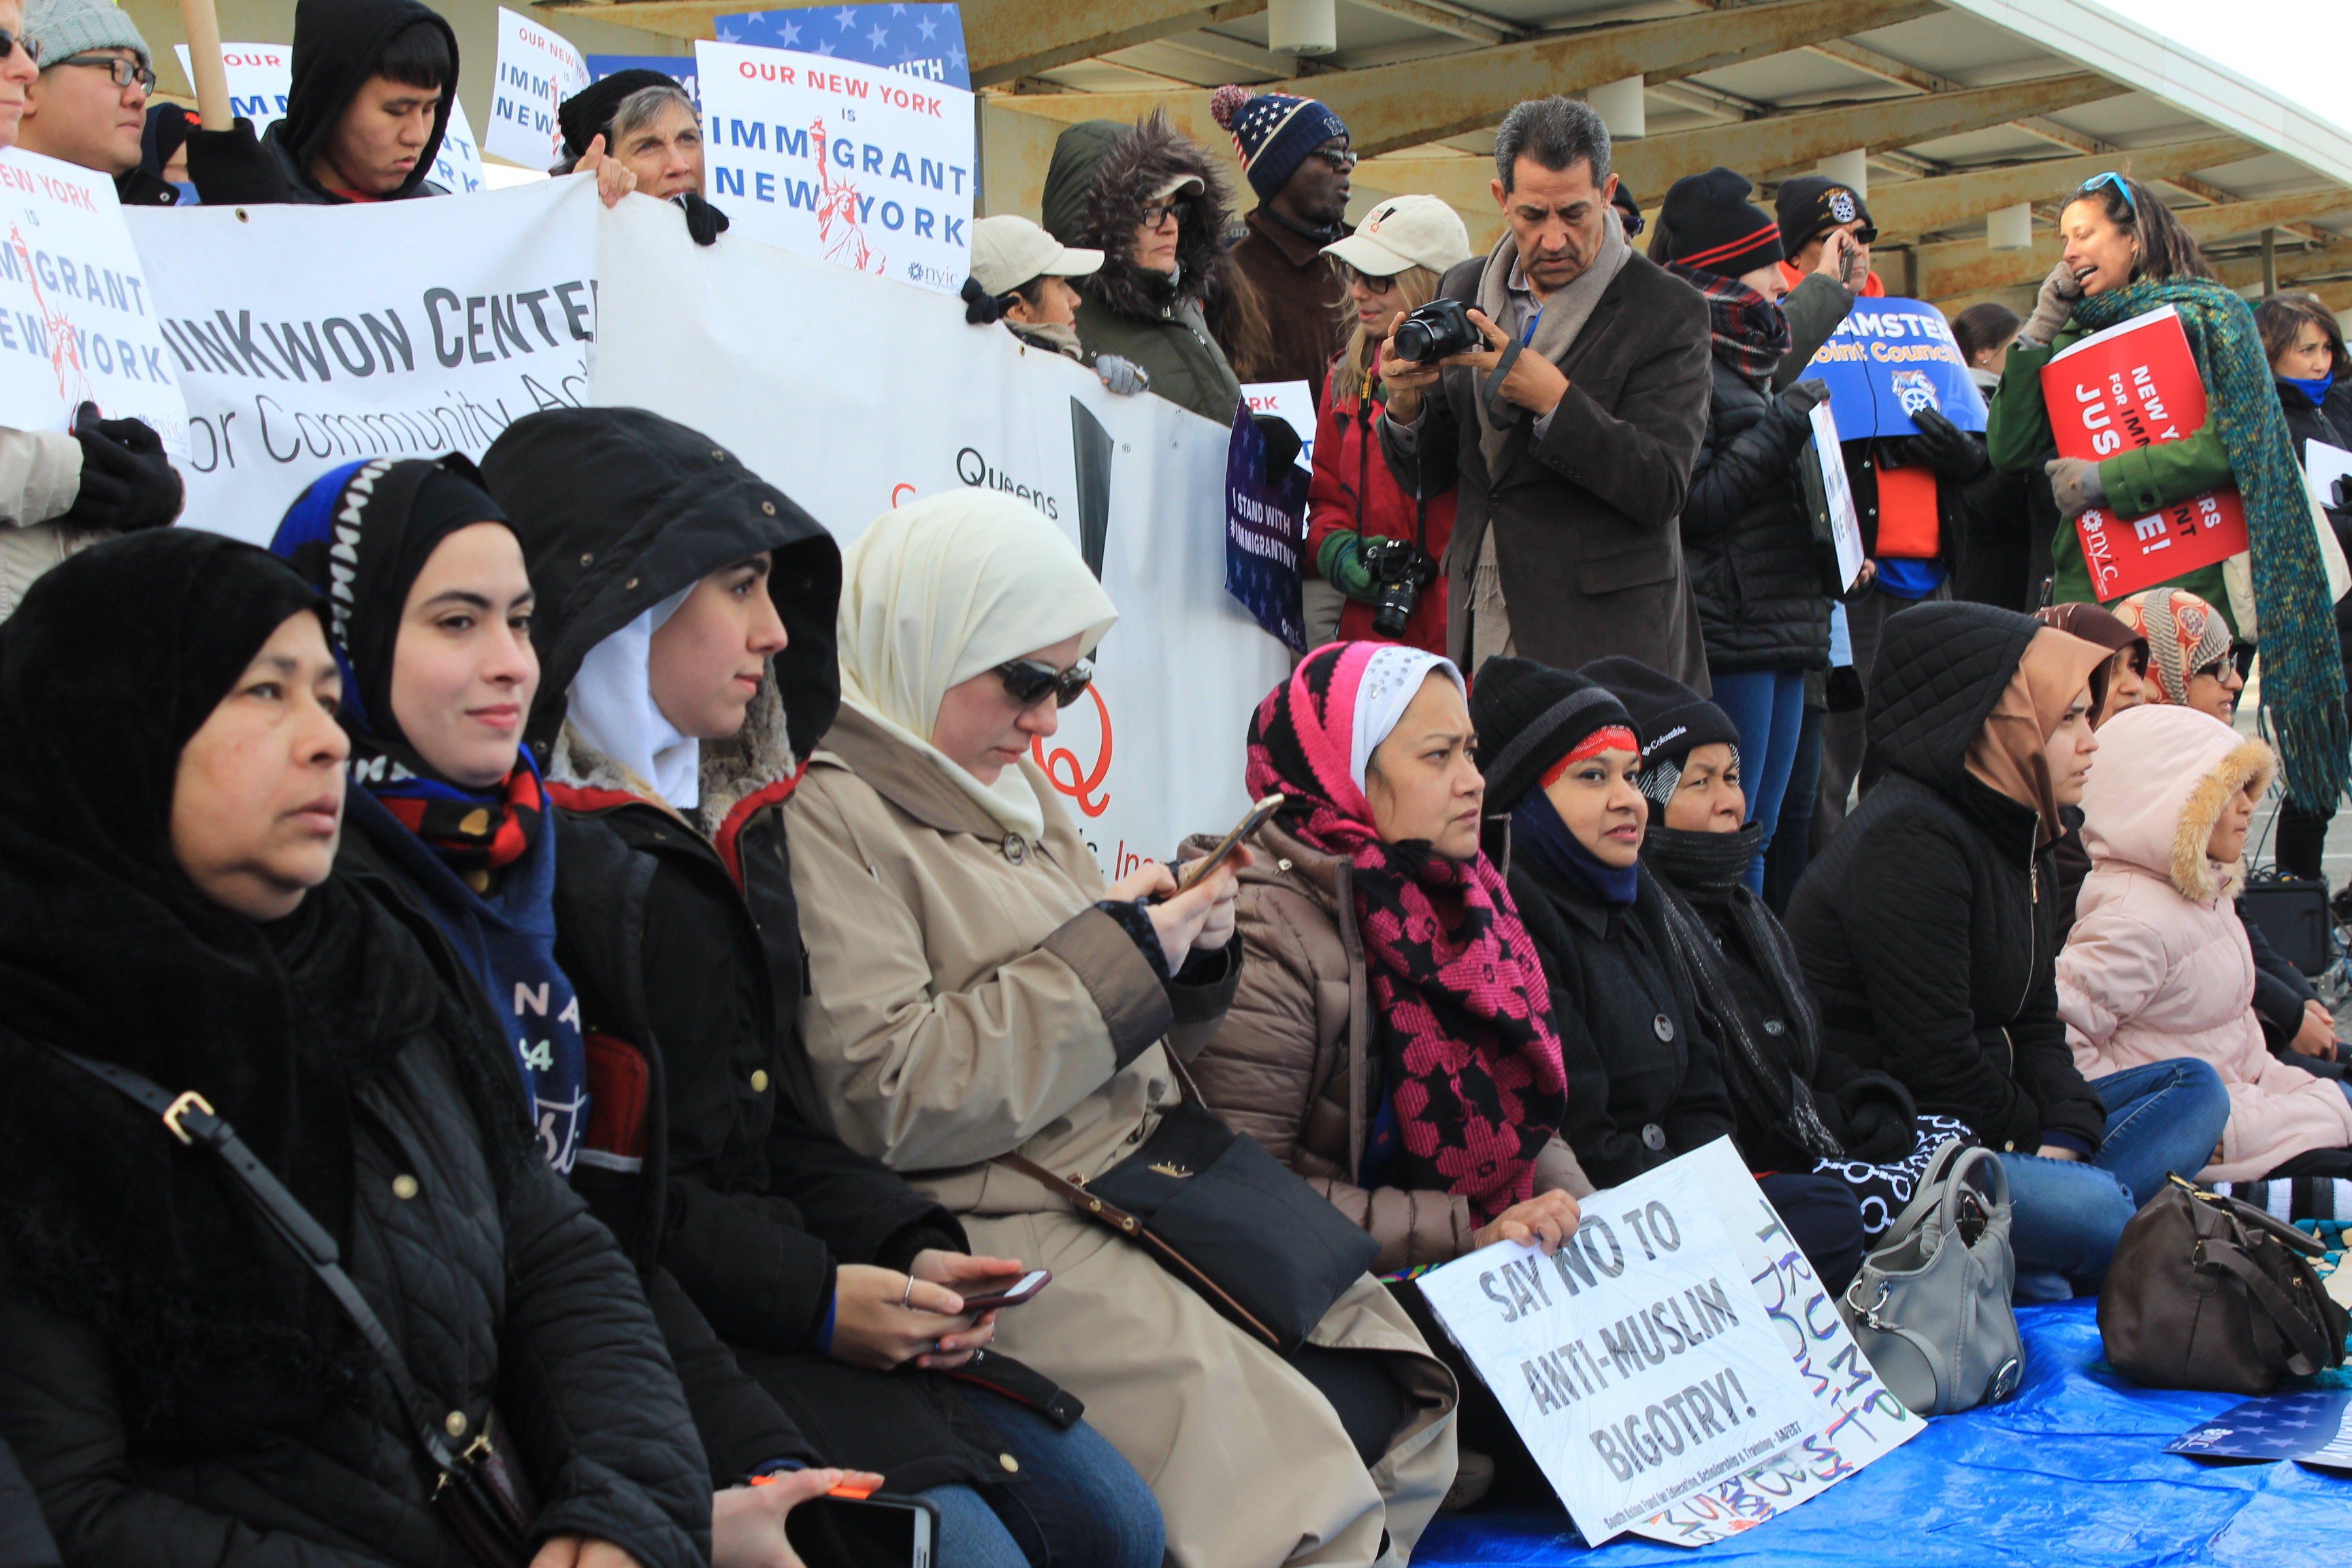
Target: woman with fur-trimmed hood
(1152, 201)
(2158, 967)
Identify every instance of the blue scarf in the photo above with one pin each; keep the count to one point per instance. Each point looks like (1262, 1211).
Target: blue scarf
(1540, 837)
(2315, 388)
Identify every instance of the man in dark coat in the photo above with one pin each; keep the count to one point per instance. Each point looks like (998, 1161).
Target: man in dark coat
(1294, 154)
(369, 102)
(1573, 471)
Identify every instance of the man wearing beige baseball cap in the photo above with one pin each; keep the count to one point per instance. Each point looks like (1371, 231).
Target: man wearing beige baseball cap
(1020, 276)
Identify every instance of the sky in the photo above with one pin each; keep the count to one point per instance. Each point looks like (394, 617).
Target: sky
(2298, 49)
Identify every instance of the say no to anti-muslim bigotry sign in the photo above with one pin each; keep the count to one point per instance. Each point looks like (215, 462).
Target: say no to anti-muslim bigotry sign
(1635, 1362)
(260, 75)
(868, 168)
(538, 70)
(920, 40)
(78, 320)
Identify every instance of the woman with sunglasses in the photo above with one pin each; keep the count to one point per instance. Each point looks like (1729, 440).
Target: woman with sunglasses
(978, 993)
(684, 628)
(1393, 262)
(2125, 255)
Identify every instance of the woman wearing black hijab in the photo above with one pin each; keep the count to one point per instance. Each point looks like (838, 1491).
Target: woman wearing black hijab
(179, 1385)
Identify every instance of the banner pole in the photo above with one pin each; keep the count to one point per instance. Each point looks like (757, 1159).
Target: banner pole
(210, 77)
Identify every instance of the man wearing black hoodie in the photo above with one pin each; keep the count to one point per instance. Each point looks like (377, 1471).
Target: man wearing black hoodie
(374, 83)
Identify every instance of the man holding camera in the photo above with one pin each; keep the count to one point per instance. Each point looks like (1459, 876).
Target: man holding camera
(1562, 383)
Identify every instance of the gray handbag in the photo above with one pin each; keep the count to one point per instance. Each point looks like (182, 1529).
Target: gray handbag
(1931, 1307)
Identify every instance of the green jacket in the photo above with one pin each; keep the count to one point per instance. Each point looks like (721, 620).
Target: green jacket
(2145, 480)
(1174, 349)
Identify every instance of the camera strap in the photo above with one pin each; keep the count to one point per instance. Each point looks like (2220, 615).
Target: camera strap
(1500, 412)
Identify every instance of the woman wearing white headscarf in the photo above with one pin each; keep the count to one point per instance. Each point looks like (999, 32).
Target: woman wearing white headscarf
(977, 991)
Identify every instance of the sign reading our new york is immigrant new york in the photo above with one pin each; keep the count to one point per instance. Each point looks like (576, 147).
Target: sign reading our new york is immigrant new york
(868, 168)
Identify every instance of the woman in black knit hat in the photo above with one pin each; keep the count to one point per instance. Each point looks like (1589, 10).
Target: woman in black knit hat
(1568, 818)
(1798, 1109)
(638, 130)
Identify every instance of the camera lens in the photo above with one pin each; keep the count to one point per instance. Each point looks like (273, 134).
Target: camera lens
(1412, 341)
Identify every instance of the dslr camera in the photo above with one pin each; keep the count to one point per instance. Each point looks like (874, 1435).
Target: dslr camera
(1399, 570)
(1440, 328)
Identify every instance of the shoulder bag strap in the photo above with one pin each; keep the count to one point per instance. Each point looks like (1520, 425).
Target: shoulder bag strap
(187, 1117)
(2310, 1348)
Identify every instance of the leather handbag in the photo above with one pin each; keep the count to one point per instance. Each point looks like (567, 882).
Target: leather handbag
(1226, 1217)
(1930, 1306)
(480, 1497)
(2208, 1292)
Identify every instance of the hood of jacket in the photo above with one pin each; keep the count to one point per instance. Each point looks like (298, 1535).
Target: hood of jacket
(2162, 777)
(336, 46)
(1941, 669)
(1096, 190)
(618, 509)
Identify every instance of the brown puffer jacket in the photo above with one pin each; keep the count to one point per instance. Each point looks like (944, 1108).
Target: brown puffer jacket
(1293, 1064)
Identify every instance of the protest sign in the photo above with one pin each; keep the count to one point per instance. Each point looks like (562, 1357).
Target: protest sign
(1856, 1417)
(854, 163)
(1292, 403)
(78, 320)
(538, 70)
(1266, 528)
(919, 40)
(308, 336)
(1636, 1362)
(260, 75)
(1829, 494)
(2310, 1426)
(857, 396)
(679, 69)
(1888, 360)
(2326, 465)
(2130, 386)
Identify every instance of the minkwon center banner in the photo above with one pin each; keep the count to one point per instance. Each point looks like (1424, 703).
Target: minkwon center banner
(860, 165)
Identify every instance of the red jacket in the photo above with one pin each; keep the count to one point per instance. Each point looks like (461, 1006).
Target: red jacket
(1348, 463)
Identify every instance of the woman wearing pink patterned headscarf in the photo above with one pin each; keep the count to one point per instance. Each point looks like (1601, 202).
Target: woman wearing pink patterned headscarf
(2188, 658)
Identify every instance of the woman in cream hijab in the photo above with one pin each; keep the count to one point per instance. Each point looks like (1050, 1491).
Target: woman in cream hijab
(977, 991)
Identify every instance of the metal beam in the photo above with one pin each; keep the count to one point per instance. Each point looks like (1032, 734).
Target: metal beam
(1922, 206)
(2337, 297)
(1886, 67)
(1459, 21)
(1398, 106)
(2322, 261)
(1967, 267)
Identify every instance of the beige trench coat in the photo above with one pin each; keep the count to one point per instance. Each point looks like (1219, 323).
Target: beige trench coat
(40, 475)
(969, 1001)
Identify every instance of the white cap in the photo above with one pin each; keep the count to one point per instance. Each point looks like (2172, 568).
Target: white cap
(1008, 251)
(1401, 232)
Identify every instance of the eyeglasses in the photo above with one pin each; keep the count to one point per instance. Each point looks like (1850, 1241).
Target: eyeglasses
(1341, 159)
(1159, 212)
(1371, 285)
(2122, 186)
(124, 71)
(11, 42)
(1028, 682)
(2220, 669)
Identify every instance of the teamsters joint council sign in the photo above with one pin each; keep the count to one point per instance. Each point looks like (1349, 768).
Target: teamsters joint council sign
(1636, 1362)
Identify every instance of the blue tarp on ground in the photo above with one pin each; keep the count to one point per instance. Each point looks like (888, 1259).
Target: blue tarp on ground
(2072, 1471)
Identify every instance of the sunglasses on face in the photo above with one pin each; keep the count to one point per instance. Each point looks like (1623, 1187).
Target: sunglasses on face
(1028, 682)
(2218, 670)
(1635, 223)
(124, 71)
(2122, 188)
(11, 42)
(1340, 158)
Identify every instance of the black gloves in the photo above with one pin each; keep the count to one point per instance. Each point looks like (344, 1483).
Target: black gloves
(127, 483)
(703, 221)
(1944, 446)
(1876, 1115)
(1803, 396)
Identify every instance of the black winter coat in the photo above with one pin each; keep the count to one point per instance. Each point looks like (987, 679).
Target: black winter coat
(2331, 423)
(504, 1295)
(1994, 557)
(1927, 928)
(1644, 1083)
(25, 1541)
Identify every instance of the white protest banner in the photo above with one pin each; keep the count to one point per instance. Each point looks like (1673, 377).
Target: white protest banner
(1825, 474)
(261, 76)
(78, 320)
(856, 163)
(1292, 403)
(855, 396)
(258, 77)
(305, 337)
(1635, 1362)
(538, 70)
(1856, 1417)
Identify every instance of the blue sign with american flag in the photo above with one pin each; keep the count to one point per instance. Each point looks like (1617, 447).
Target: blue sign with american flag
(2313, 1426)
(920, 40)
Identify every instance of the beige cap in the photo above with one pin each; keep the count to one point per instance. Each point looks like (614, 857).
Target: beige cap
(1008, 251)
(1179, 185)
(1401, 232)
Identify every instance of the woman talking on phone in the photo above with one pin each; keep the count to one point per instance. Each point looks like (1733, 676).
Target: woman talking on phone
(989, 1016)
(2125, 255)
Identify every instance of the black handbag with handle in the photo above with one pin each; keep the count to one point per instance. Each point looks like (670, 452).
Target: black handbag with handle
(480, 1497)
(1224, 1216)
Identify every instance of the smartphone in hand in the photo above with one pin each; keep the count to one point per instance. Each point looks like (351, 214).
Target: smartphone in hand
(1251, 820)
(1005, 1290)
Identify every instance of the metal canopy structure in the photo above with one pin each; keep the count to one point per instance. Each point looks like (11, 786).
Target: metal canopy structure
(1956, 109)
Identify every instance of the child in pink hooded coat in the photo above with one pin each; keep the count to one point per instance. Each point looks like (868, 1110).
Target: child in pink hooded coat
(2157, 966)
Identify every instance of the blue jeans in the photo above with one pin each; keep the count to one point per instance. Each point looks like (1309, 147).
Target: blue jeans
(1792, 840)
(1768, 708)
(1076, 1503)
(2067, 1216)
(971, 1535)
